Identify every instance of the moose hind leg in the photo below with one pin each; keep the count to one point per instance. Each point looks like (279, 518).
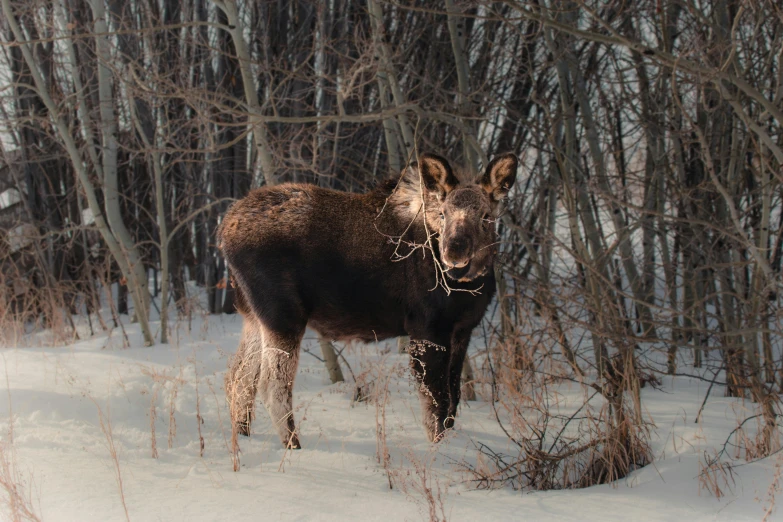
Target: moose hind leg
(279, 363)
(242, 378)
(429, 364)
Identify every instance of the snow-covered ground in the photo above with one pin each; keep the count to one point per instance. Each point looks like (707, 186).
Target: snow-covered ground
(64, 400)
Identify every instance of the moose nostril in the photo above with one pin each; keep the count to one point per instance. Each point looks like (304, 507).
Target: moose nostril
(457, 252)
(458, 247)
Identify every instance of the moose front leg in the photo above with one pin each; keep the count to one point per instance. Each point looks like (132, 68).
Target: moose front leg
(459, 348)
(430, 366)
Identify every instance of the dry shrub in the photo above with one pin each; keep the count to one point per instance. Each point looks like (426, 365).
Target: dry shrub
(107, 430)
(380, 398)
(199, 418)
(422, 486)
(232, 449)
(774, 488)
(18, 499)
(372, 386)
(26, 307)
(411, 474)
(32, 299)
(766, 438)
(33, 296)
(750, 441)
(715, 476)
(162, 380)
(565, 432)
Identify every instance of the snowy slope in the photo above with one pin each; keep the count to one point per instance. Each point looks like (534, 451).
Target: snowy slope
(60, 395)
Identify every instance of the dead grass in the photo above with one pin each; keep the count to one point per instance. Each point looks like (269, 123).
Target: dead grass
(162, 380)
(409, 472)
(106, 429)
(420, 484)
(18, 497)
(380, 376)
(774, 488)
(199, 418)
(716, 476)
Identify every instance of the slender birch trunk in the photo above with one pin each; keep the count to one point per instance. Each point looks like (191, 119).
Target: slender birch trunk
(236, 27)
(123, 255)
(111, 194)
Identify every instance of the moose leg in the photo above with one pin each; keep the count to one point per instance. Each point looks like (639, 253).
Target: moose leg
(276, 382)
(430, 364)
(459, 348)
(242, 378)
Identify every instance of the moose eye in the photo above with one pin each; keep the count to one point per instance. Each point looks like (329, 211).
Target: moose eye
(442, 216)
(486, 220)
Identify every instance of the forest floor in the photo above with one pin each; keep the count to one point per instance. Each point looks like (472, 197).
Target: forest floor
(74, 407)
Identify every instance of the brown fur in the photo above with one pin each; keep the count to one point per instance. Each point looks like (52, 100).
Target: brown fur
(339, 263)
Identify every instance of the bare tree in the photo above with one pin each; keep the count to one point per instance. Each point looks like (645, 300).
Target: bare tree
(645, 234)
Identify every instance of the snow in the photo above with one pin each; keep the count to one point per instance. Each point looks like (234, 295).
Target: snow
(20, 236)
(9, 198)
(57, 395)
(88, 218)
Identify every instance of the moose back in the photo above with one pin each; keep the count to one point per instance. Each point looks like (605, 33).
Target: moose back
(412, 257)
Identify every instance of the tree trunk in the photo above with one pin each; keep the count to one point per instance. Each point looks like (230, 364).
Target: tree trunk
(330, 359)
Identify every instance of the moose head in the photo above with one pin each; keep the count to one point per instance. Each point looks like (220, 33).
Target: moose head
(463, 212)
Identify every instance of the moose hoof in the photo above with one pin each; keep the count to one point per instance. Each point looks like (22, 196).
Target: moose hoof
(243, 428)
(440, 434)
(437, 436)
(293, 443)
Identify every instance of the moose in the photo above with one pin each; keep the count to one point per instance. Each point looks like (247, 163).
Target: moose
(413, 256)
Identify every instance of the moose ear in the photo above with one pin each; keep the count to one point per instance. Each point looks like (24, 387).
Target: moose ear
(499, 176)
(436, 174)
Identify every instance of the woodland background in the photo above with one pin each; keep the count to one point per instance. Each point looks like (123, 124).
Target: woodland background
(644, 236)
